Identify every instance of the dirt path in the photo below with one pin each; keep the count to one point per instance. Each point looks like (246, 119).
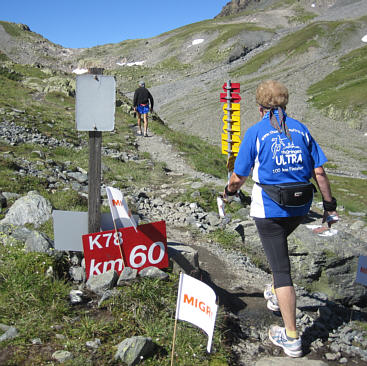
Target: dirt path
(227, 273)
(161, 150)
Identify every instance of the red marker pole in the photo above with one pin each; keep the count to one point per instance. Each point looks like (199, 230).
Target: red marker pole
(229, 120)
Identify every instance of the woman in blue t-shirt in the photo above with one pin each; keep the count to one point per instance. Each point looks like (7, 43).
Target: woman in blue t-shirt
(280, 150)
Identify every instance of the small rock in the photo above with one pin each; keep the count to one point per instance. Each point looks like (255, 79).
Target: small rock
(62, 356)
(93, 344)
(36, 341)
(128, 274)
(153, 272)
(132, 350)
(10, 332)
(76, 297)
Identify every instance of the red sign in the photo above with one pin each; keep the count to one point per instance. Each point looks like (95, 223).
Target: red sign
(144, 248)
(235, 87)
(235, 98)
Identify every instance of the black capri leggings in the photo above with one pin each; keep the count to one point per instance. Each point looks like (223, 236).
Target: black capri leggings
(273, 234)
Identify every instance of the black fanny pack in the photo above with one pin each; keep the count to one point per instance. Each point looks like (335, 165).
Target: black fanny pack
(290, 194)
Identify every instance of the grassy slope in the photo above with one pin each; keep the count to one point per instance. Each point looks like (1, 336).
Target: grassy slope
(296, 44)
(346, 88)
(37, 305)
(34, 303)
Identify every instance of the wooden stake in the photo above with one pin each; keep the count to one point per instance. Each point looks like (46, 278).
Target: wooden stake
(118, 238)
(173, 342)
(94, 175)
(94, 181)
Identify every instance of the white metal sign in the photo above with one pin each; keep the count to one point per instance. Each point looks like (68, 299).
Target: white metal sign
(95, 102)
(70, 226)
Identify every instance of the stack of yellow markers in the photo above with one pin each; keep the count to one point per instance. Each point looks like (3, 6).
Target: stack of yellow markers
(231, 129)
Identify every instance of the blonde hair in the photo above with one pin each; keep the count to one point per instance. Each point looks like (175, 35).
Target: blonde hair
(272, 93)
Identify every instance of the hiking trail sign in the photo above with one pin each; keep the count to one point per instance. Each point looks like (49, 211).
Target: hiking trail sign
(141, 248)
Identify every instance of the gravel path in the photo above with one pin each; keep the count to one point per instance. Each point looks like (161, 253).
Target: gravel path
(162, 151)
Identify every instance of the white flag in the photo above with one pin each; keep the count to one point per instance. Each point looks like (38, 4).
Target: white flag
(196, 305)
(119, 209)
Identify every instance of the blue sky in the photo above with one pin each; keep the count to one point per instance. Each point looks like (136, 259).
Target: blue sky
(80, 23)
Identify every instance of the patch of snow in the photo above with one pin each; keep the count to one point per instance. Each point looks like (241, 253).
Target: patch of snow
(80, 71)
(364, 39)
(197, 41)
(137, 63)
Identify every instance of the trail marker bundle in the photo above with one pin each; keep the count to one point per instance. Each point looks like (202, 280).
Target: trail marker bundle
(231, 122)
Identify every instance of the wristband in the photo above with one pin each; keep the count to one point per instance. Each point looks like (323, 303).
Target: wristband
(227, 192)
(330, 206)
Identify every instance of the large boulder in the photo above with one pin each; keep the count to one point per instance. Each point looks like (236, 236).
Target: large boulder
(328, 264)
(38, 242)
(183, 259)
(59, 84)
(30, 209)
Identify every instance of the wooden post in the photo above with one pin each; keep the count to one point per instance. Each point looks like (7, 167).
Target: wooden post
(94, 175)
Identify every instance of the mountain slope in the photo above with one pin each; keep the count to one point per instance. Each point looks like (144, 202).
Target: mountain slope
(314, 47)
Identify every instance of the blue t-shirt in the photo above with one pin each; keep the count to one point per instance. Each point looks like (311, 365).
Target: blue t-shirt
(276, 159)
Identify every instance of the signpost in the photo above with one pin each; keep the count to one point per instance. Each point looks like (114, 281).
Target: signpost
(231, 139)
(95, 112)
(231, 122)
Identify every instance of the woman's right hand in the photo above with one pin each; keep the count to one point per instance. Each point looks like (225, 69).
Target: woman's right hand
(330, 217)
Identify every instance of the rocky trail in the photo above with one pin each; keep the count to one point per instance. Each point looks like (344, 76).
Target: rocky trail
(239, 285)
(162, 151)
(330, 333)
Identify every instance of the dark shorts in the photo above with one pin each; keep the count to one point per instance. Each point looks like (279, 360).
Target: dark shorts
(143, 109)
(273, 234)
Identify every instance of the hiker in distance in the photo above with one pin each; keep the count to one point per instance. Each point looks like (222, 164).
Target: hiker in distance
(283, 156)
(142, 97)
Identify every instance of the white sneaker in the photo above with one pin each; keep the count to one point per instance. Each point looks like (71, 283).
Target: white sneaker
(139, 133)
(268, 293)
(272, 301)
(279, 337)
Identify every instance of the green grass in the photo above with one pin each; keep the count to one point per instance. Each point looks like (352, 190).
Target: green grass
(201, 155)
(301, 15)
(173, 63)
(3, 57)
(38, 306)
(296, 44)
(12, 29)
(330, 165)
(349, 192)
(228, 240)
(345, 89)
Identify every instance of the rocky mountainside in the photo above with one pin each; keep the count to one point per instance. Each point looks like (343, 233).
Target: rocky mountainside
(314, 47)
